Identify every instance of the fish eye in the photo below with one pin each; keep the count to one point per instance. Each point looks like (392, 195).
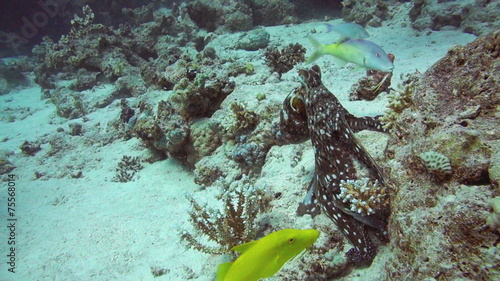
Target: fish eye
(291, 241)
(378, 55)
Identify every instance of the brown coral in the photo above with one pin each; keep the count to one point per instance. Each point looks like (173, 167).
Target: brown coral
(281, 61)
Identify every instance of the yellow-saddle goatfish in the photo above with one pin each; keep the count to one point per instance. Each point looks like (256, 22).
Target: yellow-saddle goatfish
(362, 52)
(264, 257)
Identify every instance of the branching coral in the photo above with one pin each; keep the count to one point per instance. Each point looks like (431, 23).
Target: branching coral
(281, 61)
(398, 101)
(363, 195)
(234, 226)
(127, 168)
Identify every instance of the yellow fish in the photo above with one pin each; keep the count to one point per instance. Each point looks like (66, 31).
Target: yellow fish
(264, 257)
(364, 53)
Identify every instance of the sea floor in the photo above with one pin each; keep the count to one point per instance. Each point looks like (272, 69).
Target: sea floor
(92, 228)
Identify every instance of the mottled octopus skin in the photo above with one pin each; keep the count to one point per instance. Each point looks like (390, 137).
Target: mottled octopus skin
(330, 127)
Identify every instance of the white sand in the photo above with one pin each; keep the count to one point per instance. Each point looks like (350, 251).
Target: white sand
(96, 229)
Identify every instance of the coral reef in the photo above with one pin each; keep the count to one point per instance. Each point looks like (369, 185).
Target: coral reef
(197, 100)
(471, 16)
(205, 136)
(127, 168)
(58, 144)
(93, 54)
(205, 173)
(466, 77)
(178, 127)
(494, 167)
(166, 132)
(159, 271)
(127, 112)
(250, 155)
(371, 12)
(235, 225)
(272, 12)
(281, 61)
(240, 68)
(219, 15)
(11, 76)
(454, 111)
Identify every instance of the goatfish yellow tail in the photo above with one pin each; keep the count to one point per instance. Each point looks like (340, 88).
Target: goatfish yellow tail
(264, 257)
(361, 52)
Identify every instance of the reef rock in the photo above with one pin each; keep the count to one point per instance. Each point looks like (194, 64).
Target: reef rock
(438, 225)
(212, 15)
(476, 17)
(371, 12)
(273, 12)
(253, 40)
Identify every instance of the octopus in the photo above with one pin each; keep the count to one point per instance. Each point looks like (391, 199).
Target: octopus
(312, 111)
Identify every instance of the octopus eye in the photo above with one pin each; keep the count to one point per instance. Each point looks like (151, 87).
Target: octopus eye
(298, 106)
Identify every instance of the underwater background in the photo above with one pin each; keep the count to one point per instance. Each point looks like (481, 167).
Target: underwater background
(143, 140)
